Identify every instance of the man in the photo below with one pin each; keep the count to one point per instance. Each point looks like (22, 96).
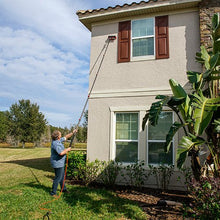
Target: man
(58, 157)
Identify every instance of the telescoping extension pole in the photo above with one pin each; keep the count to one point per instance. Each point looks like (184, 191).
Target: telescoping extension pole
(110, 38)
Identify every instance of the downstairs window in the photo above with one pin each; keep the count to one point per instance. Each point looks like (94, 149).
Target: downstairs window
(157, 138)
(126, 137)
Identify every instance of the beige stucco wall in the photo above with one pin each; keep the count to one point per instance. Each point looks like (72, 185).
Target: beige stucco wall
(132, 86)
(150, 74)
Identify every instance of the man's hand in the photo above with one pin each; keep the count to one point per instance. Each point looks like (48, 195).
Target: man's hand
(74, 131)
(65, 151)
(68, 149)
(71, 134)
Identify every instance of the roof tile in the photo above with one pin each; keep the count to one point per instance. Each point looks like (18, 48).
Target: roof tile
(82, 12)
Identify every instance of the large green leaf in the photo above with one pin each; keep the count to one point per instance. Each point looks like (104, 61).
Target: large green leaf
(182, 154)
(155, 111)
(185, 145)
(198, 58)
(173, 101)
(216, 35)
(177, 89)
(215, 21)
(214, 61)
(156, 108)
(217, 125)
(161, 97)
(188, 108)
(173, 129)
(145, 119)
(179, 92)
(194, 77)
(215, 77)
(203, 112)
(205, 56)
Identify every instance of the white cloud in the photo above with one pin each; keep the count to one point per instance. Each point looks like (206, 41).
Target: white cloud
(53, 19)
(42, 73)
(59, 119)
(44, 55)
(41, 64)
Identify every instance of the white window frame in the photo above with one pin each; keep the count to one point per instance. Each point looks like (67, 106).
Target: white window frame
(120, 140)
(156, 141)
(147, 57)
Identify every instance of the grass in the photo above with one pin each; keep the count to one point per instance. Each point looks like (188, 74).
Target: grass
(25, 182)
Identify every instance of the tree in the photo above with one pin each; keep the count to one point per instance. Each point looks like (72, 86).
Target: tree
(46, 137)
(198, 111)
(3, 126)
(26, 123)
(81, 135)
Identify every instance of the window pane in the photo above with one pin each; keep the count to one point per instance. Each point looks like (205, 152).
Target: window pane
(126, 151)
(126, 126)
(143, 47)
(144, 27)
(156, 154)
(160, 131)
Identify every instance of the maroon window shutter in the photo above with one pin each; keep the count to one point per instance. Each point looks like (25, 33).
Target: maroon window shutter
(162, 37)
(124, 33)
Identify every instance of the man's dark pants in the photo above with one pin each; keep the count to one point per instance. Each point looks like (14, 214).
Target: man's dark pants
(59, 177)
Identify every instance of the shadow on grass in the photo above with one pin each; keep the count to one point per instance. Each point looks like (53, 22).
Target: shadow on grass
(100, 201)
(39, 186)
(97, 201)
(38, 163)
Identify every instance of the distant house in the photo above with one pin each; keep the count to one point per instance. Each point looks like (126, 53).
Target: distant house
(156, 40)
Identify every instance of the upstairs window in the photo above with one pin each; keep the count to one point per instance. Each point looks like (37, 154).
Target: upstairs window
(144, 38)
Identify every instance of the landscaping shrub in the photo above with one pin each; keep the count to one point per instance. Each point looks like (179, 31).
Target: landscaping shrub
(91, 171)
(76, 145)
(83, 170)
(76, 164)
(162, 174)
(4, 145)
(109, 172)
(206, 195)
(135, 174)
(46, 144)
(106, 172)
(66, 144)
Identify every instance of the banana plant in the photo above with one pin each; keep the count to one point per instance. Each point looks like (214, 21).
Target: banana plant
(198, 111)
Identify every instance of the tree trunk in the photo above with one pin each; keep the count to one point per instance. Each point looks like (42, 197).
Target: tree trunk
(195, 165)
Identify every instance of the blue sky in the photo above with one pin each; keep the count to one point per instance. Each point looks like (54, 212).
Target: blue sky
(44, 55)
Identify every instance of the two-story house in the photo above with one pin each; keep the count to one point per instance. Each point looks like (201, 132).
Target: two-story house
(156, 40)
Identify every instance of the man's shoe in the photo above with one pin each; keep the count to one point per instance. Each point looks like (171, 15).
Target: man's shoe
(53, 195)
(66, 191)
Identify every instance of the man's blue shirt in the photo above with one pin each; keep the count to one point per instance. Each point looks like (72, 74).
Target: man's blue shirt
(57, 147)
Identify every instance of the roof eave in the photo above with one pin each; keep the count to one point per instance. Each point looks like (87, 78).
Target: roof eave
(87, 19)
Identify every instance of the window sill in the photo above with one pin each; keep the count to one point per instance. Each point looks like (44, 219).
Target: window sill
(144, 58)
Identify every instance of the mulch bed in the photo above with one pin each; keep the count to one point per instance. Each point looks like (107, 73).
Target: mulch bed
(158, 204)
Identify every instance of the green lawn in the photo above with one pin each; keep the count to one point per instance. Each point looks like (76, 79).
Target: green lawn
(25, 182)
